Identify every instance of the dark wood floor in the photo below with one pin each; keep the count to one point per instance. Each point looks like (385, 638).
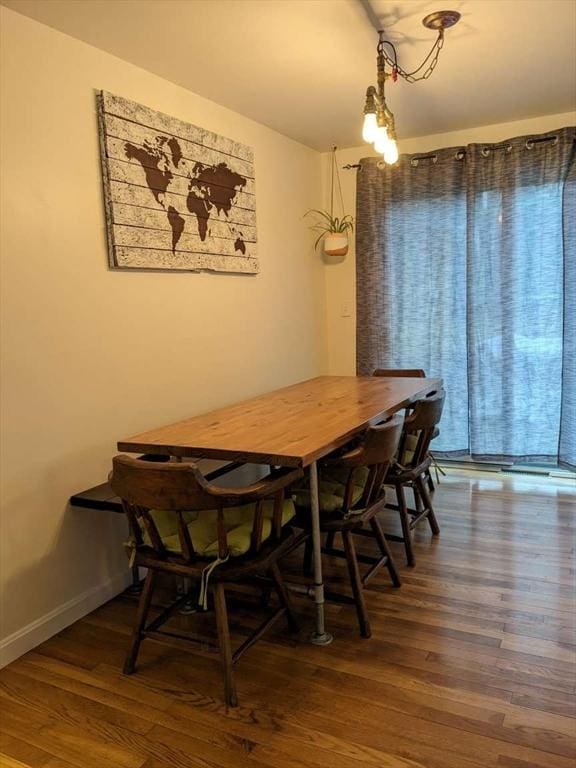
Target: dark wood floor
(471, 663)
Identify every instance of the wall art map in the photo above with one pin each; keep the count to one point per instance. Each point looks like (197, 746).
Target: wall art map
(177, 197)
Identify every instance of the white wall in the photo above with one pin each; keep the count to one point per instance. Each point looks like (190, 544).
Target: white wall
(340, 273)
(91, 355)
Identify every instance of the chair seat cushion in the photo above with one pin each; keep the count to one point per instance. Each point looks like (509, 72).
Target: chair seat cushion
(410, 445)
(332, 487)
(167, 523)
(238, 522)
(408, 453)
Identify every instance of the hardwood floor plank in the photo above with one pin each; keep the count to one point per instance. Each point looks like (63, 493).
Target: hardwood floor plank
(48, 697)
(10, 762)
(71, 743)
(539, 721)
(547, 648)
(20, 750)
(299, 745)
(130, 687)
(556, 704)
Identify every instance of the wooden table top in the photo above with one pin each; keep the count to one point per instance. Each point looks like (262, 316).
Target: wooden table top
(291, 427)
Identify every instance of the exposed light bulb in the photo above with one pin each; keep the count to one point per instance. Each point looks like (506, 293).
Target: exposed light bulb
(370, 127)
(391, 152)
(381, 140)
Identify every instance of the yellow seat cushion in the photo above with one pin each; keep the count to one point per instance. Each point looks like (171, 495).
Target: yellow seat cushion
(411, 442)
(332, 487)
(410, 445)
(167, 523)
(238, 522)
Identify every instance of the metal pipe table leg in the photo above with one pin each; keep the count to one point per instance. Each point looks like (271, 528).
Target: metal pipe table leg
(136, 587)
(189, 605)
(319, 636)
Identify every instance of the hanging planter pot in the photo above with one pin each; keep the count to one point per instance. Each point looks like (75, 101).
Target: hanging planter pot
(332, 231)
(336, 244)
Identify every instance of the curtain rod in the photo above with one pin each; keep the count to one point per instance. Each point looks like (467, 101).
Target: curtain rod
(460, 154)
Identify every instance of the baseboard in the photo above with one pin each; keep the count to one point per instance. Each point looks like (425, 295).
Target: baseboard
(23, 640)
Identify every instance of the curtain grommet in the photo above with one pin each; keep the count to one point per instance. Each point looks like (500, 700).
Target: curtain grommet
(531, 143)
(415, 161)
(485, 151)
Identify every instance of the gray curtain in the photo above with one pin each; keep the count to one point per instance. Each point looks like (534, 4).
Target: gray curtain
(567, 441)
(465, 267)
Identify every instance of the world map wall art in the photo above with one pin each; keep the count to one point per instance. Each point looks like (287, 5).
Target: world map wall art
(177, 197)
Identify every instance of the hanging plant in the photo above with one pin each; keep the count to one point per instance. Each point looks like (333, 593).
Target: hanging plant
(333, 230)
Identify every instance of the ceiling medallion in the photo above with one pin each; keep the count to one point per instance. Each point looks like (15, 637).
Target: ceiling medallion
(379, 128)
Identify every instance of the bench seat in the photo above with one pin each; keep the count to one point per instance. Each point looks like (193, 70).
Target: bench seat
(230, 473)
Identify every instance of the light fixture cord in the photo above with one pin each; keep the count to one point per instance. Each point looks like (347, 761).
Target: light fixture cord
(412, 77)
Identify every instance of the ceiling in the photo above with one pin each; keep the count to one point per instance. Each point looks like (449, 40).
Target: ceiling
(302, 66)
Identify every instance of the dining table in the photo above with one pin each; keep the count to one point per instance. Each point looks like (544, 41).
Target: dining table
(295, 426)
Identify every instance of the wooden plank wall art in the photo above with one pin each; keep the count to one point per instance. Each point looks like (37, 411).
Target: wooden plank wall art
(177, 197)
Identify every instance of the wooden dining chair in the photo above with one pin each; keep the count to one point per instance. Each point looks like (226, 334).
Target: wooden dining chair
(215, 536)
(352, 493)
(410, 468)
(414, 373)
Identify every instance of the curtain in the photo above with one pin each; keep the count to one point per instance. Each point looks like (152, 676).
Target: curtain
(567, 440)
(466, 268)
(411, 276)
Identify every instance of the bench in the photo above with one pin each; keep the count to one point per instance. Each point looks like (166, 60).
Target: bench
(103, 497)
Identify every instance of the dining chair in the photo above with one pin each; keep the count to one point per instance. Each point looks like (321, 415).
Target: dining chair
(352, 493)
(214, 536)
(411, 466)
(414, 373)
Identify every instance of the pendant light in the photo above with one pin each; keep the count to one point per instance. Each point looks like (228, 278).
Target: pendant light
(379, 126)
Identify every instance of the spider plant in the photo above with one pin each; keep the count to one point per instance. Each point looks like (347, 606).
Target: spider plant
(326, 224)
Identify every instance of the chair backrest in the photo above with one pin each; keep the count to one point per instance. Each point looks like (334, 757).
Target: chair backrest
(413, 373)
(179, 488)
(375, 451)
(420, 426)
(401, 373)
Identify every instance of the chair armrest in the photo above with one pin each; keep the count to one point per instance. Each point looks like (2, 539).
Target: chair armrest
(266, 487)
